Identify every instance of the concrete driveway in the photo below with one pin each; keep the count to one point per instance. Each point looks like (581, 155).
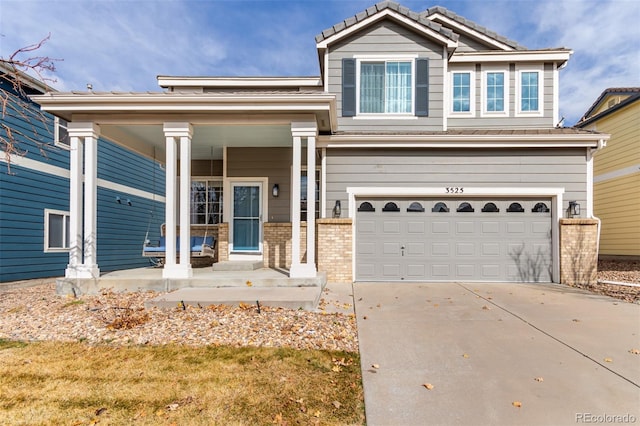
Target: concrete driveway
(497, 354)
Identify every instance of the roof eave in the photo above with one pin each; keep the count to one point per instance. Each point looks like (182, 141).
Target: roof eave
(386, 13)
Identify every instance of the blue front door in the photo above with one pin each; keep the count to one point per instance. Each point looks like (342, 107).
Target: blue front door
(246, 217)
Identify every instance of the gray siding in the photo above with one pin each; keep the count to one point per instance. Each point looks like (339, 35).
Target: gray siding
(389, 38)
(462, 168)
(272, 163)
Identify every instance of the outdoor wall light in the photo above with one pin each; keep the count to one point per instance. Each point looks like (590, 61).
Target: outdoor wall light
(337, 210)
(275, 191)
(574, 209)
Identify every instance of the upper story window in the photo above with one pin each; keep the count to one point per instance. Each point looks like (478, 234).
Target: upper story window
(495, 92)
(530, 89)
(61, 135)
(386, 87)
(462, 92)
(395, 86)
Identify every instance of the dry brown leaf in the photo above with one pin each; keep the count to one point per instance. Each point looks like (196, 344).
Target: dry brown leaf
(336, 369)
(486, 308)
(375, 365)
(249, 283)
(316, 413)
(517, 404)
(337, 404)
(539, 379)
(608, 360)
(429, 386)
(465, 355)
(634, 351)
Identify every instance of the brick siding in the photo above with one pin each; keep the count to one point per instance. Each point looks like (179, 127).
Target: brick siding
(578, 251)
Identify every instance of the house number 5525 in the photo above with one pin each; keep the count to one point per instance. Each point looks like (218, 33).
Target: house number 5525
(454, 190)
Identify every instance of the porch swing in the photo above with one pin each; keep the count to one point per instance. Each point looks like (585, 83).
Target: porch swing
(200, 246)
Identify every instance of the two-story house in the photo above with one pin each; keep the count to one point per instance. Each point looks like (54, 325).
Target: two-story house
(616, 170)
(35, 236)
(432, 143)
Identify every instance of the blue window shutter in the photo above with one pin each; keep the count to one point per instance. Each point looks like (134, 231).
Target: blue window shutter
(348, 87)
(422, 87)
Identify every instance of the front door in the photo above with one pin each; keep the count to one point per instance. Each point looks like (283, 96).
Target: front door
(247, 217)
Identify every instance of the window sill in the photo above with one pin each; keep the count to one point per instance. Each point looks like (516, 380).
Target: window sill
(386, 117)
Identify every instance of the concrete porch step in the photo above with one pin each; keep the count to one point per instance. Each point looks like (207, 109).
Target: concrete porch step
(238, 265)
(305, 298)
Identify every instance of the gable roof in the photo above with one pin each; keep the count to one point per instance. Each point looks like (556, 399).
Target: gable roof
(437, 12)
(381, 9)
(633, 95)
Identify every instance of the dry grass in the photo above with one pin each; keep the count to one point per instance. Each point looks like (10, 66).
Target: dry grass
(53, 383)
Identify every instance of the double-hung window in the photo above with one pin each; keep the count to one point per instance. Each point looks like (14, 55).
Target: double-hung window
(396, 86)
(495, 93)
(462, 92)
(56, 230)
(206, 201)
(529, 97)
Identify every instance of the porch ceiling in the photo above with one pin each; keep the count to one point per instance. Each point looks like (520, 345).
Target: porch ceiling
(207, 141)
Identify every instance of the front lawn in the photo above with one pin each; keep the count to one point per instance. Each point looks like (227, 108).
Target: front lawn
(79, 384)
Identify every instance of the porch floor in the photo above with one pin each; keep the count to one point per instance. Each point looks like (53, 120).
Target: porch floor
(208, 286)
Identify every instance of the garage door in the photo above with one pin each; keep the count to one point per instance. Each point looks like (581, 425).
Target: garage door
(453, 240)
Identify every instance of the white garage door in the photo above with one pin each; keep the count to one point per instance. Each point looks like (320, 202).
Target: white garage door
(453, 240)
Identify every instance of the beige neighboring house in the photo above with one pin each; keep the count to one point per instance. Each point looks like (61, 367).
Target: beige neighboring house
(616, 175)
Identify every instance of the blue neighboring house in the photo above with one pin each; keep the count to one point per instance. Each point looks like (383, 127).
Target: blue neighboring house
(34, 193)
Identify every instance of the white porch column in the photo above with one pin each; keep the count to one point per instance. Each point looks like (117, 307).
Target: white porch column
(299, 130)
(90, 264)
(75, 204)
(183, 132)
(83, 135)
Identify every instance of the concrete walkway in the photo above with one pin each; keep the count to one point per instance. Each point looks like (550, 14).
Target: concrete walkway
(497, 354)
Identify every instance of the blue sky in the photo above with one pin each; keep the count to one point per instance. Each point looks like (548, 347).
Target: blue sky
(123, 45)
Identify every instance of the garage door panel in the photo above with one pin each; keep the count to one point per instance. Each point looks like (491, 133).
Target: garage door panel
(465, 271)
(391, 227)
(414, 227)
(465, 249)
(491, 271)
(415, 249)
(442, 271)
(505, 242)
(466, 227)
(440, 249)
(490, 249)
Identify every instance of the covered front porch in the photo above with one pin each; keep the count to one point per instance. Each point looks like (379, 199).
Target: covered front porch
(251, 164)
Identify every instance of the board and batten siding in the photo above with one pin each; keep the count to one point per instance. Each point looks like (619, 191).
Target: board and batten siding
(388, 38)
(463, 168)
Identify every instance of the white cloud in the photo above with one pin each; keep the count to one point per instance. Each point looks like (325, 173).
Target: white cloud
(124, 45)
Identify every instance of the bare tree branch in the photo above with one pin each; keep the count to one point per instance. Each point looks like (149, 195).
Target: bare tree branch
(23, 124)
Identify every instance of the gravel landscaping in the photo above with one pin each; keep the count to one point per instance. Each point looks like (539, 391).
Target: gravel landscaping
(37, 313)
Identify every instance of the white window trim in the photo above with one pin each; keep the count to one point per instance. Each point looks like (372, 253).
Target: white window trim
(48, 249)
(386, 58)
(472, 92)
(518, 107)
(484, 112)
(56, 135)
(214, 179)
